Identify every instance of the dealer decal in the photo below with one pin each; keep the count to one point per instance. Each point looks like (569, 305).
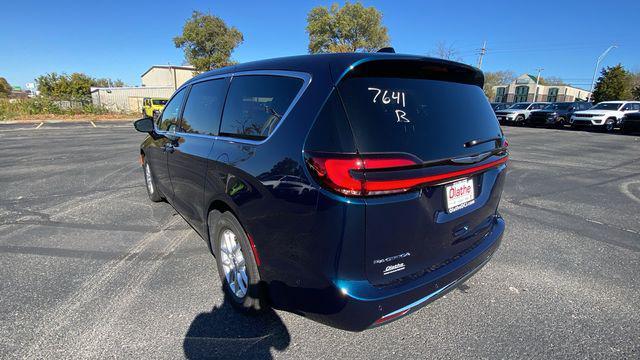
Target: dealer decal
(393, 268)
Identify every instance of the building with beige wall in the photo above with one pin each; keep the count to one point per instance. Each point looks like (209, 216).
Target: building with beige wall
(523, 89)
(127, 99)
(160, 81)
(167, 75)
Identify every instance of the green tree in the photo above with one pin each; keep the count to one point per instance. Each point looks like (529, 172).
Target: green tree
(636, 86)
(5, 88)
(208, 42)
(348, 29)
(74, 86)
(636, 93)
(614, 83)
(496, 78)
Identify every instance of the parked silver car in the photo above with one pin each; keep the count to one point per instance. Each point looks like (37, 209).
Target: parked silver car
(517, 113)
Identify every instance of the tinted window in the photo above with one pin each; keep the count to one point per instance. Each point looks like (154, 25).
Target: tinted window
(203, 108)
(331, 130)
(418, 116)
(159, 102)
(169, 118)
(558, 106)
(255, 105)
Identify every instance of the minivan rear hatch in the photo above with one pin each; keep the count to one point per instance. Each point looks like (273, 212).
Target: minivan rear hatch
(432, 120)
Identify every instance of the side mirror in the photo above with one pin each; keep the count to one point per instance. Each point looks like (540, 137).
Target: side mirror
(144, 125)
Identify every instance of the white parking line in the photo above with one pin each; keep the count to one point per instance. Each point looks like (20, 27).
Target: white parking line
(39, 125)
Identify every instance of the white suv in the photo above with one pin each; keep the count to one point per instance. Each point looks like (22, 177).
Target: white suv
(606, 114)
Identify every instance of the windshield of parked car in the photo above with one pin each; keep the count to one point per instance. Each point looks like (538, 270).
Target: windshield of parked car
(557, 106)
(520, 106)
(159, 102)
(607, 106)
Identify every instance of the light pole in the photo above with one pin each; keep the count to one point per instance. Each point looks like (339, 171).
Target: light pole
(535, 95)
(595, 71)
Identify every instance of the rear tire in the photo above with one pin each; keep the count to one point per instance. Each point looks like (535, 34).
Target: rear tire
(237, 267)
(152, 189)
(560, 123)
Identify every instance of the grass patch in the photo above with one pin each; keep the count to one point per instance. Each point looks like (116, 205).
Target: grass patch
(42, 107)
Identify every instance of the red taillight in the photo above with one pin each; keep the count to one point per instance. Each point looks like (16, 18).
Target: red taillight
(347, 175)
(335, 173)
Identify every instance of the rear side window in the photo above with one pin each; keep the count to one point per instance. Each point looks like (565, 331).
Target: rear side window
(431, 119)
(331, 131)
(203, 108)
(171, 113)
(256, 104)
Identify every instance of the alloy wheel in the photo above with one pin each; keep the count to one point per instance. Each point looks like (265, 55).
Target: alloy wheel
(233, 263)
(609, 125)
(147, 175)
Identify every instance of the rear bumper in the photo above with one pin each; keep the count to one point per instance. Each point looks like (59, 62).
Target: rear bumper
(357, 305)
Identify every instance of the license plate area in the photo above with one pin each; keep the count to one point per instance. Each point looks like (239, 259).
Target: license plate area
(459, 194)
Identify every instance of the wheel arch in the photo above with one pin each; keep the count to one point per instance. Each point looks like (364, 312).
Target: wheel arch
(221, 206)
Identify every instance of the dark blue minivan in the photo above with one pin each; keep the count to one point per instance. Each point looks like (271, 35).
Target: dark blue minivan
(351, 189)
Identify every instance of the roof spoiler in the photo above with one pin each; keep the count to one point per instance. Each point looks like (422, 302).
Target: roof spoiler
(388, 49)
(411, 67)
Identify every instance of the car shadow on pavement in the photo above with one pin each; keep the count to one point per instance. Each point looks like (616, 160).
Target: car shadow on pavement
(224, 333)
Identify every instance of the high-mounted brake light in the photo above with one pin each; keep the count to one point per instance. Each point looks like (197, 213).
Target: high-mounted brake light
(348, 175)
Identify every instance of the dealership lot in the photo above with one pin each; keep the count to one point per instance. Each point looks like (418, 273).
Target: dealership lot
(91, 268)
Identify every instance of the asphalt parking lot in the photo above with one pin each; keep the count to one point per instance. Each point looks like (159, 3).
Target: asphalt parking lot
(91, 268)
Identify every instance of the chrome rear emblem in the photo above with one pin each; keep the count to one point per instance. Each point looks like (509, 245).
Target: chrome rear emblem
(392, 258)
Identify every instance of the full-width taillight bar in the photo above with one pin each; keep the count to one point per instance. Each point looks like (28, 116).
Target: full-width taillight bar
(348, 174)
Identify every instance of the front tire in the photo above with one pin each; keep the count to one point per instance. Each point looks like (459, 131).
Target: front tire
(237, 267)
(519, 121)
(152, 189)
(609, 125)
(560, 123)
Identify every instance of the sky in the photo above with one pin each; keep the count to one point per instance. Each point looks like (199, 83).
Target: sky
(122, 39)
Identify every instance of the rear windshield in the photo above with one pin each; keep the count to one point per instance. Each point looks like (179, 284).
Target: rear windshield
(431, 119)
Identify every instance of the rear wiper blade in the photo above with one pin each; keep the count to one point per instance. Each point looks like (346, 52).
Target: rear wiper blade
(475, 142)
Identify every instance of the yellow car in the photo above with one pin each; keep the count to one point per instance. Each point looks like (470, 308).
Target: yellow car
(152, 107)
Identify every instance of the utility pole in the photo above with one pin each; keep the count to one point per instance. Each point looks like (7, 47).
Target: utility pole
(535, 96)
(482, 52)
(595, 71)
